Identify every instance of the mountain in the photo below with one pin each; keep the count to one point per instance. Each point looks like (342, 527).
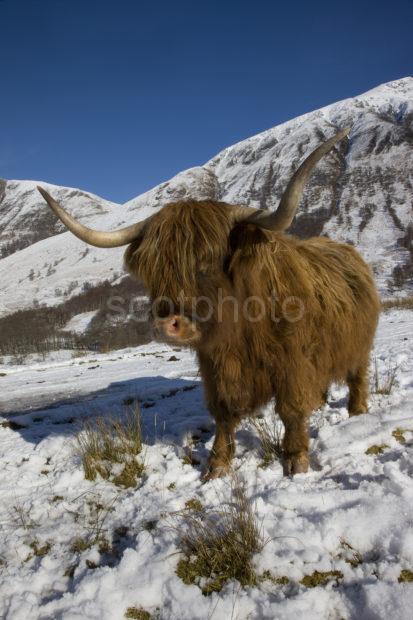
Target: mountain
(361, 193)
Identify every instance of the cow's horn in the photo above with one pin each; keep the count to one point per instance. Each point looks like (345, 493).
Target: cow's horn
(98, 238)
(281, 219)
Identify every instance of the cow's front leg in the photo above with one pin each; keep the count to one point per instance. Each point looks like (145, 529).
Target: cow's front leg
(226, 421)
(223, 450)
(296, 440)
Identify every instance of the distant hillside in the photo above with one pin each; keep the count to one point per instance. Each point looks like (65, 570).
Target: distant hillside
(361, 193)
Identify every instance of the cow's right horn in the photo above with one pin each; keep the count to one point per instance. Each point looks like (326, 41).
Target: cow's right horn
(100, 239)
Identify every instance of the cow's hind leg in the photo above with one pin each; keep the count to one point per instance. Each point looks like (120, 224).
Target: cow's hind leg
(358, 390)
(296, 440)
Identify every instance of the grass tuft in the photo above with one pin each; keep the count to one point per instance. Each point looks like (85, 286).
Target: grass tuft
(406, 576)
(377, 449)
(137, 613)
(321, 578)
(403, 303)
(385, 384)
(194, 504)
(398, 434)
(102, 444)
(40, 550)
(278, 581)
(270, 436)
(219, 545)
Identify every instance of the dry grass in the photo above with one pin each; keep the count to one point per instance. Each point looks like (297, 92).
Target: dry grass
(318, 578)
(384, 384)
(93, 515)
(21, 516)
(270, 436)
(104, 446)
(137, 613)
(377, 449)
(403, 303)
(219, 545)
(406, 576)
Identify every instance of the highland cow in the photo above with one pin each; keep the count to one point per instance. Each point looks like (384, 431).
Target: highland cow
(269, 315)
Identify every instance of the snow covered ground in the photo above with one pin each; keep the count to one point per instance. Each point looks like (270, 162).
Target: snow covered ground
(352, 513)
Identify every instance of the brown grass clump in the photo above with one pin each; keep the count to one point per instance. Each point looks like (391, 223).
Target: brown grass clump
(403, 303)
(406, 576)
(398, 434)
(219, 545)
(270, 436)
(377, 449)
(384, 385)
(102, 444)
(321, 578)
(137, 613)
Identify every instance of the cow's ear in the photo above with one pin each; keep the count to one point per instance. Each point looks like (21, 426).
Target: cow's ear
(244, 237)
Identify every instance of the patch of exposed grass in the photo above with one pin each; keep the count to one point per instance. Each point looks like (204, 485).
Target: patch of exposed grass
(219, 545)
(93, 516)
(57, 498)
(398, 434)
(402, 303)
(406, 576)
(384, 384)
(194, 504)
(40, 550)
(278, 581)
(131, 472)
(102, 444)
(137, 613)
(318, 578)
(377, 449)
(270, 435)
(80, 544)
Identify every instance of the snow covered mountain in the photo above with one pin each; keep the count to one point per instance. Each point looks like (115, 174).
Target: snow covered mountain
(361, 193)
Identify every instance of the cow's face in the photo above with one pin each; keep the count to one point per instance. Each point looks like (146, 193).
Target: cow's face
(180, 257)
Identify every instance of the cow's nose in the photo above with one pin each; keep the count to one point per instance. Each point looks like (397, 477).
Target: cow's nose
(169, 326)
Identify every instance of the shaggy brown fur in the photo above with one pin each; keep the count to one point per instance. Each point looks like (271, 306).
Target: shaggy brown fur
(313, 306)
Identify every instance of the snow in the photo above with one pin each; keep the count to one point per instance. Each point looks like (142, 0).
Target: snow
(79, 323)
(362, 499)
(252, 172)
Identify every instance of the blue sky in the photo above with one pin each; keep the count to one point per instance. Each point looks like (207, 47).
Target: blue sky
(117, 96)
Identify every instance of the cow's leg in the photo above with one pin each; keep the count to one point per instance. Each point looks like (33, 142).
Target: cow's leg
(296, 440)
(358, 390)
(226, 422)
(223, 449)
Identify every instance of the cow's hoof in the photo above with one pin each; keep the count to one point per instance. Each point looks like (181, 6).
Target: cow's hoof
(214, 471)
(359, 411)
(295, 464)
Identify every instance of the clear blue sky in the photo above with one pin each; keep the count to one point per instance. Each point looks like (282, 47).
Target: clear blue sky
(118, 96)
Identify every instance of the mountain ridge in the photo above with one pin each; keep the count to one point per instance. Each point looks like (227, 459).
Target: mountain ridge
(361, 193)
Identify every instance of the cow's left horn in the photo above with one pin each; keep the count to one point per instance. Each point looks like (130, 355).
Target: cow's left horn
(98, 238)
(284, 215)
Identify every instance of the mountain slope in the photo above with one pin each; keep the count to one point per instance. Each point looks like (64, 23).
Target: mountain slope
(361, 193)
